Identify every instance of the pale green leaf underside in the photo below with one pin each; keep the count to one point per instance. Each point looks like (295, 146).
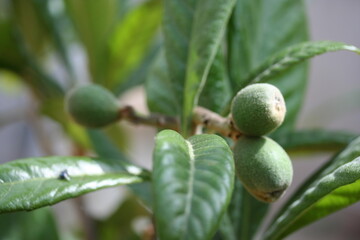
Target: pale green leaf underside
(36, 182)
(333, 187)
(193, 181)
(293, 55)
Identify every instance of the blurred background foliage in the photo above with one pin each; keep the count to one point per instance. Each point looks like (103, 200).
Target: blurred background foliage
(43, 47)
(116, 36)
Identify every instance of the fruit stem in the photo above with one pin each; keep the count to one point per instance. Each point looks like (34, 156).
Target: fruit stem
(212, 121)
(215, 123)
(128, 113)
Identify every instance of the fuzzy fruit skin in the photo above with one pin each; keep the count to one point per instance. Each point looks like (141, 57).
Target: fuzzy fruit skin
(92, 106)
(258, 109)
(263, 167)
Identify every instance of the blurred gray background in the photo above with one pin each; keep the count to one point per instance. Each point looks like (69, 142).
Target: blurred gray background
(332, 101)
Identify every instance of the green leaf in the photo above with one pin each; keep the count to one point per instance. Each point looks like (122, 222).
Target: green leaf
(193, 31)
(54, 24)
(246, 213)
(283, 60)
(26, 18)
(10, 57)
(139, 75)
(217, 91)
(41, 82)
(335, 186)
(39, 224)
(257, 30)
(192, 182)
(313, 140)
(226, 229)
(160, 94)
(131, 40)
(94, 21)
(36, 182)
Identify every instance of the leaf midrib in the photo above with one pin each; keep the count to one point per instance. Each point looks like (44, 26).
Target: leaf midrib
(40, 179)
(189, 196)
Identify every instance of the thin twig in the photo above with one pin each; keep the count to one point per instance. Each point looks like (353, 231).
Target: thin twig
(156, 120)
(212, 121)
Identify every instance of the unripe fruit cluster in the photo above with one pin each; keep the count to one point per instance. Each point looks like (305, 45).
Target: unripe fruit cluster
(262, 165)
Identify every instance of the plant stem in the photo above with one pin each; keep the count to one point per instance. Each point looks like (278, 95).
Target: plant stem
(212, 121)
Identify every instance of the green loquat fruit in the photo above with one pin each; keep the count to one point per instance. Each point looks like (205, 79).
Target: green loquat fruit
(263, 167)
(92, 106)
(258, 109)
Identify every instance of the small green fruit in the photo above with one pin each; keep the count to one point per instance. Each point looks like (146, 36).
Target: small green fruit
(92, 106)
(258, 109)
(263, 167)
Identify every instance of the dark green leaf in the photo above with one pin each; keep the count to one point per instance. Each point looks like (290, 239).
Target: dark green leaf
(314, 139)
(10, 57)
(226, 229)
(193, 31)
(333, 187)
(260, 28)
(160, 94)
(36, 182)
(43, 84)
(246, 213)
(192, 181)
(38, 224)
(217, 92)
(293, 55)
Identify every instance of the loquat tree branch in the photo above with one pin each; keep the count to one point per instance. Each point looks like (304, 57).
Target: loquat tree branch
(211, 121)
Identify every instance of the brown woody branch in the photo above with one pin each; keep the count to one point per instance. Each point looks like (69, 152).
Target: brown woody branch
(211, 121)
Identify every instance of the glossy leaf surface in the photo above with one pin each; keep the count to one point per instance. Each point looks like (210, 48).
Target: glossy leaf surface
(333, 187)
(36, 182)
(192, 181)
